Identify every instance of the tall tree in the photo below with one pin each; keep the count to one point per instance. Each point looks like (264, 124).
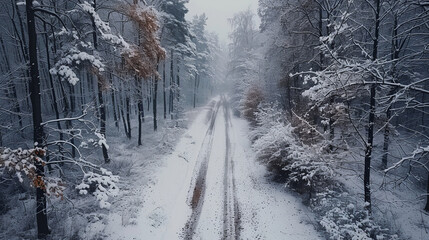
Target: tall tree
(38, 133)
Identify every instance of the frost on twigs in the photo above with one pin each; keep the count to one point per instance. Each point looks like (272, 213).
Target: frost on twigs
(343, 220)
(102, 186)
(24, 162)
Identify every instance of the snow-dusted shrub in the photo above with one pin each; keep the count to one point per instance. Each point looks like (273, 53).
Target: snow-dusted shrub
(343, 220)
(23, 164)
(307, 167)
(267, 116)
(271, 147)
(252, 99)
(102, 186)
(277, 144)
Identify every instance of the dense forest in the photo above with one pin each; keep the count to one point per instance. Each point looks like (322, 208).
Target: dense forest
(71, 71)
(335, 93)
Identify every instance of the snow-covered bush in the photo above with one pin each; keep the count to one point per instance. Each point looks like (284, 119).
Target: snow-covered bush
(277, 145)
(306, 167)
(343, 220)
(23, 163)
(102, 186)
(252, 99)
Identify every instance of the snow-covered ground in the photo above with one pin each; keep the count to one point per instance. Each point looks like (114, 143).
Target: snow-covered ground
(210, 187)
(398, 201)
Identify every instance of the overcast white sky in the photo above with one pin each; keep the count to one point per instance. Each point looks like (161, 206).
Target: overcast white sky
(218, 12)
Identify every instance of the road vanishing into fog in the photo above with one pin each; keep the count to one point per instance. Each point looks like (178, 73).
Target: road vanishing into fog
(212, 187)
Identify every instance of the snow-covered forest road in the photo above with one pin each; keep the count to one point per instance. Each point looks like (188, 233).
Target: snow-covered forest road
(211, 187)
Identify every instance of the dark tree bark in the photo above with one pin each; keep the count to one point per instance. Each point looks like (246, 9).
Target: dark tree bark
(22, 38)
(163, 90)
(128, 108)
(395, 55)
(172, 87)
(67, 113)
(122, 112)
(102, 106)
(102, 121)
(154, 103)
(38, 134)
(82, 96)
(124, 122)
(387, 132)
(115, 114)
(321, 56)
(12, 87)
(72, 98)
(178, 82)
(427, 195)
(371, 122)
(195, 89)
(112, 93)
(140, 110)
(51, 83)
(24, 46)
(386, 139)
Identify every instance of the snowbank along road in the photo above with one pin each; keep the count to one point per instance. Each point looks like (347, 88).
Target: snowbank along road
(211, 187)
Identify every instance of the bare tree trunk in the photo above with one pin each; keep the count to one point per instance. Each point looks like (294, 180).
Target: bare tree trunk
(51, 82)
(123, 118)
(12, 87)
(112, 93)
(423, 114)
(387, 132)
(321, 56)
(427, 195)
(72, 98)
(178, 83)
(371, 122)
(24, 46)
(102, 121)
(39, 135)
(82, 96)
(127, 103)
(164, 91)
(395, 55)
(140, 110)
(368, 151)
(172, 85)
(195, 89)
(155, 100)
(386, 139)
(143, 113)
(102, 106)
(67, 113)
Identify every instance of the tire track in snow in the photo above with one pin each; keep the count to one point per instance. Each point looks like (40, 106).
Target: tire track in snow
(231, 217)
(198, 186)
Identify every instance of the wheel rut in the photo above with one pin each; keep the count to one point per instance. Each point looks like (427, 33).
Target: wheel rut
(230, 225)
(198, 187)
(231, 217)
